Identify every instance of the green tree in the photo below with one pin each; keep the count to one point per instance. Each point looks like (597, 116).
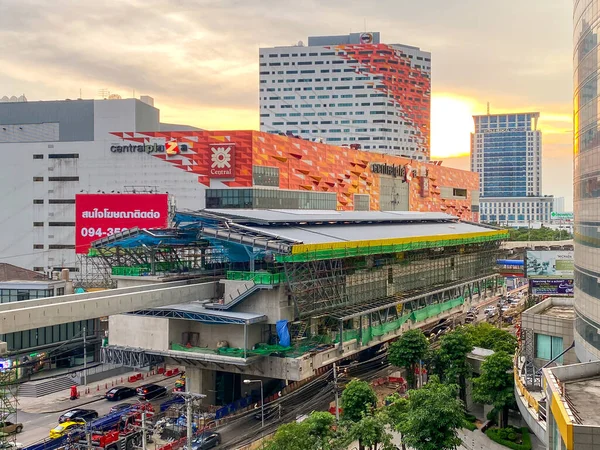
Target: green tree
(488, 336)
(370, 432)
(407, 351)
(454, 347)
(291, 436)
(358, 398)
(495, 385)
(314, 433)
(433, 416)
(394, 412)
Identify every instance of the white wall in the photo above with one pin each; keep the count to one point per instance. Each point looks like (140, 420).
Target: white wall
(138, 332)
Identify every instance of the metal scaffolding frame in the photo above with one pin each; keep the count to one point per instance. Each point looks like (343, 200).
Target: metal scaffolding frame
(323, 287)
(8, 404)
(129, 357)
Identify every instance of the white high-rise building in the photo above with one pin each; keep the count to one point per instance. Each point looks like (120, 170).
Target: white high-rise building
(349, 90)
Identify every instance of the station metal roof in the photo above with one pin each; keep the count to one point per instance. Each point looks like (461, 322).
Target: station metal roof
(288, 216)
(342, 233)
(197, 312)
(301, 235)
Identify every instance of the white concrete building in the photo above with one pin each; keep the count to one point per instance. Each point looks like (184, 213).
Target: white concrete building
(349, 89)
(517, 211)
(56, 149)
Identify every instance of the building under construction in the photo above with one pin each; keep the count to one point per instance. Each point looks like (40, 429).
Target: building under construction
(294, 291)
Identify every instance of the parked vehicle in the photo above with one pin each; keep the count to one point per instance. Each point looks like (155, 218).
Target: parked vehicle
(150, 391)
(119, 393)
(78, 415)
(10, 427)
(64, 428)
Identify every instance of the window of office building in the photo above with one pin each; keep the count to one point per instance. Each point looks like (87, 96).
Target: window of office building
(548, 347)
(265, 176)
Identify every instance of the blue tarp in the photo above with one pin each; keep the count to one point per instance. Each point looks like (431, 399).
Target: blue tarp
(510, 262)
(283, 333)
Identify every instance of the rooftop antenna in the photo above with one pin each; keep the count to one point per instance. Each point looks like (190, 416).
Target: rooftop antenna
(104, 93)
(488, 108)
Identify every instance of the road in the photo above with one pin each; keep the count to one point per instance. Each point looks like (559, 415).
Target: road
(37, 426)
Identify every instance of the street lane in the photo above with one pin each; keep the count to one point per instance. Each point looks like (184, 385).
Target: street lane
(37, 426)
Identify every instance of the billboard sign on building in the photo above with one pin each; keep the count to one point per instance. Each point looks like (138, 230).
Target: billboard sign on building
(549, 264)
(100, 215)
(551, 287)
(561, 216)
(222, 160)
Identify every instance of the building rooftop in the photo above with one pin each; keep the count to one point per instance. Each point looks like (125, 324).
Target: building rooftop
(9, 272)
(578, 387)
(584, 397)
(560, 312)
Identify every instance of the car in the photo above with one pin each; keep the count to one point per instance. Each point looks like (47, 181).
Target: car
(150, 391)
(10, 427)
(489, 311)
(86, 415)
(64, 428)
(119, 393)
(120, 407)
(206, 441)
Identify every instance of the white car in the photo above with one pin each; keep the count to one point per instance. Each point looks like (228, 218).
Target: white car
(490, 311)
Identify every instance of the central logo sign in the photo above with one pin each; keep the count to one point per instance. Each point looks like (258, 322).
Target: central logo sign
(222, 159)
(405, 172)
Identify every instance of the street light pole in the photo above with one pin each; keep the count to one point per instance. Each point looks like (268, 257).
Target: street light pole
(262, 400)
(84, 359)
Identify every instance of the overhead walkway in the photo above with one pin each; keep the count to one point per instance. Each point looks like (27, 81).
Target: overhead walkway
(29, 314)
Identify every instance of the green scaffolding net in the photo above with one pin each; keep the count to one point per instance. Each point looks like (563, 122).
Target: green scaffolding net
(321, 342)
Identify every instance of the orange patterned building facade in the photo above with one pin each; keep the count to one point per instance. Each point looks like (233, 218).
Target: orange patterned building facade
(233, 159)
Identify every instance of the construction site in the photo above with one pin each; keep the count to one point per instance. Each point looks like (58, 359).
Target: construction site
(282, 295)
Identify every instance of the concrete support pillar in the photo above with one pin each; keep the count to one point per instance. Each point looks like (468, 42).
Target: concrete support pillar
(201, 381)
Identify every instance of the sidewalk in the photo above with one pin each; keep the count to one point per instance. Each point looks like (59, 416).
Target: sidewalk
(60, 401)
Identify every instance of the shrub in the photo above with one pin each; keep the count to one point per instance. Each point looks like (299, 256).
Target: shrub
(470, 418)
(496, 435)
(469, 425)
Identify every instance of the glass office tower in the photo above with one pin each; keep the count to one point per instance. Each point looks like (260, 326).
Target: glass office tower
(586, 178)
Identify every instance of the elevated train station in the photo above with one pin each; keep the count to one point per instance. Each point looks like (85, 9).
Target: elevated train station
(294, 290)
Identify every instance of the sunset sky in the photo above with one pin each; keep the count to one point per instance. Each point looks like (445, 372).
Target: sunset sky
(199, 58)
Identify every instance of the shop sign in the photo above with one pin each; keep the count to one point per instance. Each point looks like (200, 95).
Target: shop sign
(405, 172)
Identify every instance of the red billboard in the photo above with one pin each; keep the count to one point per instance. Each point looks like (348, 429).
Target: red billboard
(100, 215)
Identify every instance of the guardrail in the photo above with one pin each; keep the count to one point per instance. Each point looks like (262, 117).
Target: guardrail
(256, 277)
(531, 401)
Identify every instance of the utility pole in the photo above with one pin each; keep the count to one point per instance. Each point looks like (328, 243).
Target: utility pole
(144, 430)
(335, 389)
(189, 398)
(84, 359)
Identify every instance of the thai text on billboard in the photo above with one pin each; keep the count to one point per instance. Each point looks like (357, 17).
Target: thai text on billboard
(100, 215)
(551, 287)
(549, 264)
